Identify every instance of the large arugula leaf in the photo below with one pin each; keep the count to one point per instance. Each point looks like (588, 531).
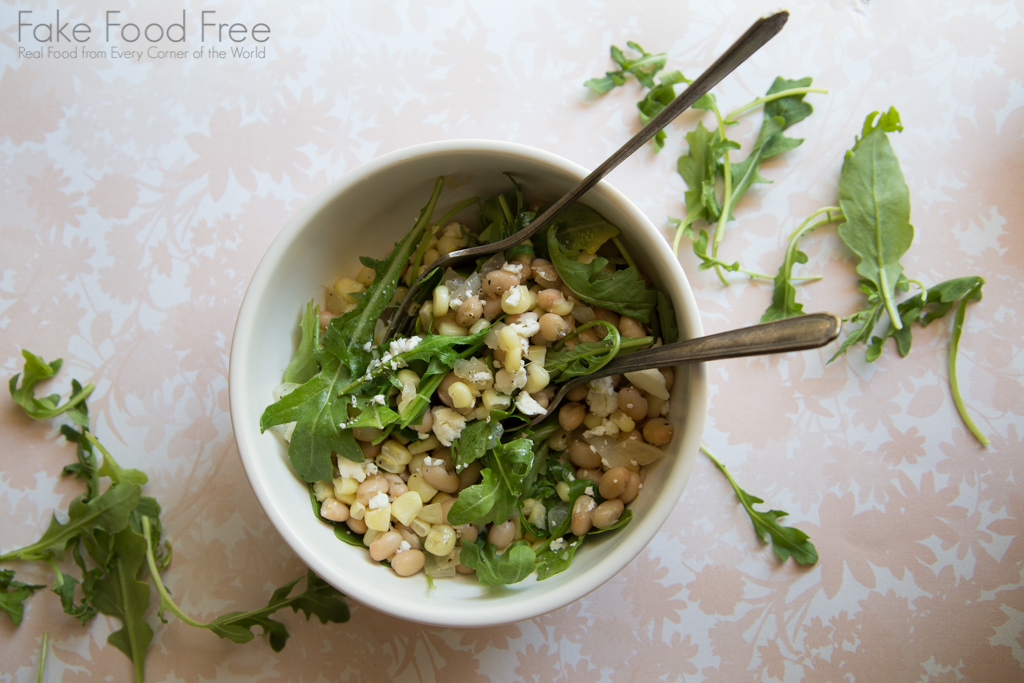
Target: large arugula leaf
(623, 291)
(122, 595)
(494, 499)
(349, 335)
(107, 512)
(317, 410)
(875, 200)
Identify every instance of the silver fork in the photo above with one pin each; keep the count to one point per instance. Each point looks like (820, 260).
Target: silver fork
(759, 33)
(792, 334)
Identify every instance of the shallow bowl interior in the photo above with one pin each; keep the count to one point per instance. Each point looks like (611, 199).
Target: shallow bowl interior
(364, 213)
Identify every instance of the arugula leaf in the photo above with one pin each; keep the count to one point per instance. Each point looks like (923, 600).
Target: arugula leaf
(623, 291)
(493, 569)
(668, 328)
(551, 562)
(581, 229)
(319, 599)
(303, 365)
(477, 439)
(779, 114)
(37, 370)
(349, 334)
(786, 540)
(501, 485)
(107, 512)
(643, 68)
(13, 594)
(122, 595)
(656, 99)
(875, 200)
(317, 412)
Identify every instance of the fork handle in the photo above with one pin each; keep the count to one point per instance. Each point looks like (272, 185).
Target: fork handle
(791, 334)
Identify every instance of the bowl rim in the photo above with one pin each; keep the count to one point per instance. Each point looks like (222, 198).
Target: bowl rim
(641, 532)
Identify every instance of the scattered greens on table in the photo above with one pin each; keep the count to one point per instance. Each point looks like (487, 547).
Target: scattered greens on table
(873, 213)
(351, 380)
(113, 537)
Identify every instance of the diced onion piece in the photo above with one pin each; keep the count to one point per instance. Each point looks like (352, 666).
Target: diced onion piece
(631, 453)
(650, 380)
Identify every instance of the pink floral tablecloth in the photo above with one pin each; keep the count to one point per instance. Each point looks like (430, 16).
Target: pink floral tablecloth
(137, 194)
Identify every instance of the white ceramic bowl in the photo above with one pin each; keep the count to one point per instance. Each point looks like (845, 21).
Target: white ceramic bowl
(364, 213)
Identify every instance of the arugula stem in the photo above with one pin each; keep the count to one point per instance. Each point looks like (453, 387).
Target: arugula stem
(954, 344)
(42, 656)
(765, 99)
(622, 250)
(723, 218)
(166, 603)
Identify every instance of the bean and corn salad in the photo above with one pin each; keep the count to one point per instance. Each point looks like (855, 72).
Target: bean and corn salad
(416, 459)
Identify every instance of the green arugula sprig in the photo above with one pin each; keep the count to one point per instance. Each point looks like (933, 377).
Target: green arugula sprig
(874, 218)
(114, 538)
(787, 541)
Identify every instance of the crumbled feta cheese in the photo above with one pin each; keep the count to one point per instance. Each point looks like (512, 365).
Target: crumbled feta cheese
(606, 428)
(378, 399)
(402, 345)
(527, 326)
(379, 501)
(602, 385)
(557, 544)
(402, 547)
(432, 462)
(602, 404)
(528, 405)
(367, 346)
(515, 295)
(516, 268)
(448, 424)
(589, 491)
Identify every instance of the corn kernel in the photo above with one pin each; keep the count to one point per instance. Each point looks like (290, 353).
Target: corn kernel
(432, 514)
(441, 296)
(536, 378)
(357, 511)
(441, 540)
(406, 507)
(344, 486)
(379, 519)
(479, 326)
(562, 489)
(514, 359)
(422, 446)
(450, 329)
(346, 287)
(406, 376)
(365, 276)
(592, 421)
(393, 457)
(493, 400)
(461, 396)
(508, 339)
(417, 484)
(369, 536)
(419, 527)
(622, 421)
(537, 353)
(323, 490)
